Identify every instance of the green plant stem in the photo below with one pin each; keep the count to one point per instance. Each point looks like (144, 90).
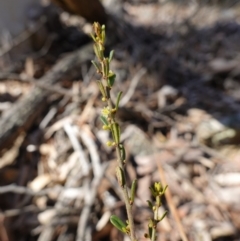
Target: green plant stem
(109, 123)
(153, 234)
(124, 188)
(155, 218)
(126, 199)
(107, 77)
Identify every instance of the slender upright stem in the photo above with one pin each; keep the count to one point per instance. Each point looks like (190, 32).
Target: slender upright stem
(153, 234)
(103, 67)
(124, 187)
(110, 123)
(126, 199)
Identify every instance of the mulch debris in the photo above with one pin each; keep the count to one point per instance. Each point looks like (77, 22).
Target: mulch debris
(177, 65)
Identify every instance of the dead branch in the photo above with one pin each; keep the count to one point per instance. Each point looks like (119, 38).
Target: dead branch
(24, 78)
(24, 190)
(91, 191)
(172, 206)
(22, 115)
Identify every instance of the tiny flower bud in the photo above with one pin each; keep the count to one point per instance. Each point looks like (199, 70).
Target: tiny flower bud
(109, 143)
(113, 110)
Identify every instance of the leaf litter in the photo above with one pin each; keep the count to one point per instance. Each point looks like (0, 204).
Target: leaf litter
(180, 83)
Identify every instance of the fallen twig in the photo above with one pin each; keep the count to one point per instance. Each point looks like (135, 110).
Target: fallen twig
(171, 205)
(91, 191)
(13, 188)
(21, 116)
(28, 79)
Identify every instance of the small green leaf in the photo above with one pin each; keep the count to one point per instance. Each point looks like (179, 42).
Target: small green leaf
(120, 176)
(122, 152)
(96, 66)
(116, 132)
(163, 216)
(92, 36)
(111, 55)
(118, 223)
(105, 67)
(118, 99)
(150, 204)
(164, 189)
(150, 230)
(104, 120)
(133, 191)
(96, 50)
(108, 90)
(111, 78)
(101, 88)
(103, 34)
(153, 191)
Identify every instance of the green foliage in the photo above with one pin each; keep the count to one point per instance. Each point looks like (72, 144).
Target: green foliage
(157, 191)
(110, 124)
(119, 224)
